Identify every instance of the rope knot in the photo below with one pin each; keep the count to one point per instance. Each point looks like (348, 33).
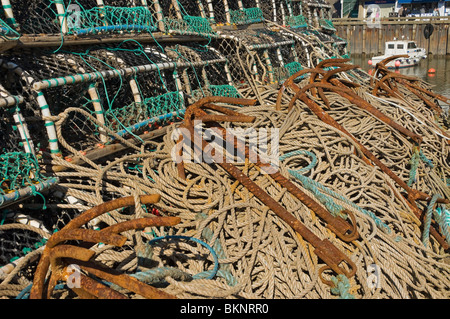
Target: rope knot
(341, 287)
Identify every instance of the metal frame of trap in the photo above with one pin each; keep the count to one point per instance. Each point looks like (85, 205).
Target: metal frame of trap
(39, 87)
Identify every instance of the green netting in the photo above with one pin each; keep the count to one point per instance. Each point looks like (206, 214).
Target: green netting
(327, 24)
(7, 33)
(18, 170)
(192, 24)
(296, 21)
(293, 67)
(246, 16)
(164, 104)
(110, 19)
(198, 24)
(224, 90)
(348, 6)
(131, 116)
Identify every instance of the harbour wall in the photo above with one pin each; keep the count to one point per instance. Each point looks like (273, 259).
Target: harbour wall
(368, 36)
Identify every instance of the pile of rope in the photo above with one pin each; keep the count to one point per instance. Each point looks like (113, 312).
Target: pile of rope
(256, 255)
(227, 243)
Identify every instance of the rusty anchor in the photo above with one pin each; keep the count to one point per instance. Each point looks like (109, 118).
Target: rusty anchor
(60, 255)
(386, 78)
(324, 249)
(412, 194)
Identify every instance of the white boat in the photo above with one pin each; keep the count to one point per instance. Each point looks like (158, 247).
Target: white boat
(401, 47)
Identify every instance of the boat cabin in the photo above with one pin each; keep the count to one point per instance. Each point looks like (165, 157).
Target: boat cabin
(400, 47)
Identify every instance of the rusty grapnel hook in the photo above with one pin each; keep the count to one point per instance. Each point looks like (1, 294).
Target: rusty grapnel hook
(386, 80)
(367, 156)
(324, 249)
(59, 255)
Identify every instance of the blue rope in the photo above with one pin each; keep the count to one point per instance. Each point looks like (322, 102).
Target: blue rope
(25, 293)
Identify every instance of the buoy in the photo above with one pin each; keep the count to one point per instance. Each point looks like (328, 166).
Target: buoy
(431, 70)
(397, 63)
(370, 62)
(370, 71)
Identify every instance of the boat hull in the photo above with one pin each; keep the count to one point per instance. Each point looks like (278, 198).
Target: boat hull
(404, 62)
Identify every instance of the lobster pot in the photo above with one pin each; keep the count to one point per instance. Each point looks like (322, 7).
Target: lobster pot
(221, 11)
(15, 136)
(184, 17)
(93, 90)
(86, 17)
(288, 13)
(40, 65)
(152, 97)
(19, 112)
(256, 55)
(330, 45)
(206, 73)
(340, 46)
(82, 17)
(6, 17)
(289, 61)
(318, 14)
(20, 174)
(14, 244)
(7, 31)
(38, 16)
(217, 11)
(275, 11)
(245, 12)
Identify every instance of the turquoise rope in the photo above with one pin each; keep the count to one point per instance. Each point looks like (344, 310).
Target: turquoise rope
(442, 217)
(224, 269)
(341, 287)
(416, 157)
(316, 187)
(157, 275)
(207, 274)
